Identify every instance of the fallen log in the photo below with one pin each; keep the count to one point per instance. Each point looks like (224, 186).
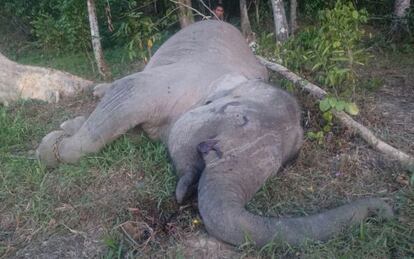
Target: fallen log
(30, 82)
(406, 160)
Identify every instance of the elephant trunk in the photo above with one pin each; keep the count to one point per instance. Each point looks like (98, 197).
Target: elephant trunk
(222, 198)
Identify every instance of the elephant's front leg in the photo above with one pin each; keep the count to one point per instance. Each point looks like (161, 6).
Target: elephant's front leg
(189, 163)
(190, 138)
(127, 104)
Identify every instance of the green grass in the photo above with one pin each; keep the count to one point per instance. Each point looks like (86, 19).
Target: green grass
(135, 172)
(80, 63)
(37, 196)
(371, 239)
(22, 190)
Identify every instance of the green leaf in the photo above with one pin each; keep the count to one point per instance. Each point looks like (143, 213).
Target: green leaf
(342, 70)
(355, 14)
(352, 109)
(327, 128)
(318, 65)
(340, 106)
(332, 101)
(324, 105)
(304, 82)
(319, 137)
(327, 116)
(311, 135)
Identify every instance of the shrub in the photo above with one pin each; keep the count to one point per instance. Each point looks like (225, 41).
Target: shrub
(139, 32)
(62, 25)
(330, 51)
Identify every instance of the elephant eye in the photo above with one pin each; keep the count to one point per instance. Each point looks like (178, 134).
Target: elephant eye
(208, 102)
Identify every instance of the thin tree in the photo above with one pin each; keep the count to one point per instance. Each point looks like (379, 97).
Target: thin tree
(400, 23)
(185, 13)
(245, 22)
(96, 41)
(293, 16)
(257, 10)
(279, 18)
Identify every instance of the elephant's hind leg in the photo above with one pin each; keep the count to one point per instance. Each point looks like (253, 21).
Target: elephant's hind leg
(126, 105)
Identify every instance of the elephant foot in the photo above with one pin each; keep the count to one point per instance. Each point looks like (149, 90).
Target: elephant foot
(100, 89)
(187, 186)
(70, 127)
(48, 151)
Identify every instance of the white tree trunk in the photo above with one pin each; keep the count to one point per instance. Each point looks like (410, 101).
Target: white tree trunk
(293, 16)
(245, 22)
(401, 8)
(96, 41)
(400, 23)
(279, 17)
(185, 13)
(30, 82)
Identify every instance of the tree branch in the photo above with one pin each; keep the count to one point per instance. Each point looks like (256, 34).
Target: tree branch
(406, 160)
(189, 7)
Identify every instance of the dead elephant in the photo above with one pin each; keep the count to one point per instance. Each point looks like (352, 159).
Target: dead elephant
(205, 96)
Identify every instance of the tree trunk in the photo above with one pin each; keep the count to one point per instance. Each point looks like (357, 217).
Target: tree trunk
(96, 42)
(293, 16)
(30, 82)
(400, 23)
(185, 14)
(279, 17)
(257, 6)
(245, 22)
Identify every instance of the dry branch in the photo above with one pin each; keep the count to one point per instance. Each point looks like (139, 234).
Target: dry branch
(406, 160)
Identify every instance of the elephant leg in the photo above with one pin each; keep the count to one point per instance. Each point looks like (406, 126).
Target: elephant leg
(100, 89)
(71, 126)
(189, 139)
(128, 103)
(189, 163)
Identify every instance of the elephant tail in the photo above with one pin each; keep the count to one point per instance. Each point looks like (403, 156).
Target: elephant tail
(222, 198)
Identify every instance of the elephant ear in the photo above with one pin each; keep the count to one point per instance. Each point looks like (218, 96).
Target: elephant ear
(223, 85)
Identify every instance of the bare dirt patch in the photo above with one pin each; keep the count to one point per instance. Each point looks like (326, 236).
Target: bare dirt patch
(389, 111)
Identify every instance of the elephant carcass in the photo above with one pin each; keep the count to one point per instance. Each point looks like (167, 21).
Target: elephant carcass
(205, 96)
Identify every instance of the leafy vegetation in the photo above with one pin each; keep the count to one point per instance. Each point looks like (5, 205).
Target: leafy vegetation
(140, 32)
(328, 52)
(62, 26)
(132, 181)
(326, 106)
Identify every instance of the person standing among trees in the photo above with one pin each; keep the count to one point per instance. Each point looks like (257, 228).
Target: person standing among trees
(218, 12)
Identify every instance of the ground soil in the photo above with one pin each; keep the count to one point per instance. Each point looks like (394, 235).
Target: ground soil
(345, 169)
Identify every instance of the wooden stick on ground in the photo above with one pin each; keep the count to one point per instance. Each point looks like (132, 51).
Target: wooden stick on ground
(406, 160)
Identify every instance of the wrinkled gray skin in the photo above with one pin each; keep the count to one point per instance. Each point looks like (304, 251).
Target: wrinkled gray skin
(205, 95)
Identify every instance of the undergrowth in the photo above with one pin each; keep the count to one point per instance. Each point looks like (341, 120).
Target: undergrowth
(328, 53)
(131, 181)
(33, 197)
